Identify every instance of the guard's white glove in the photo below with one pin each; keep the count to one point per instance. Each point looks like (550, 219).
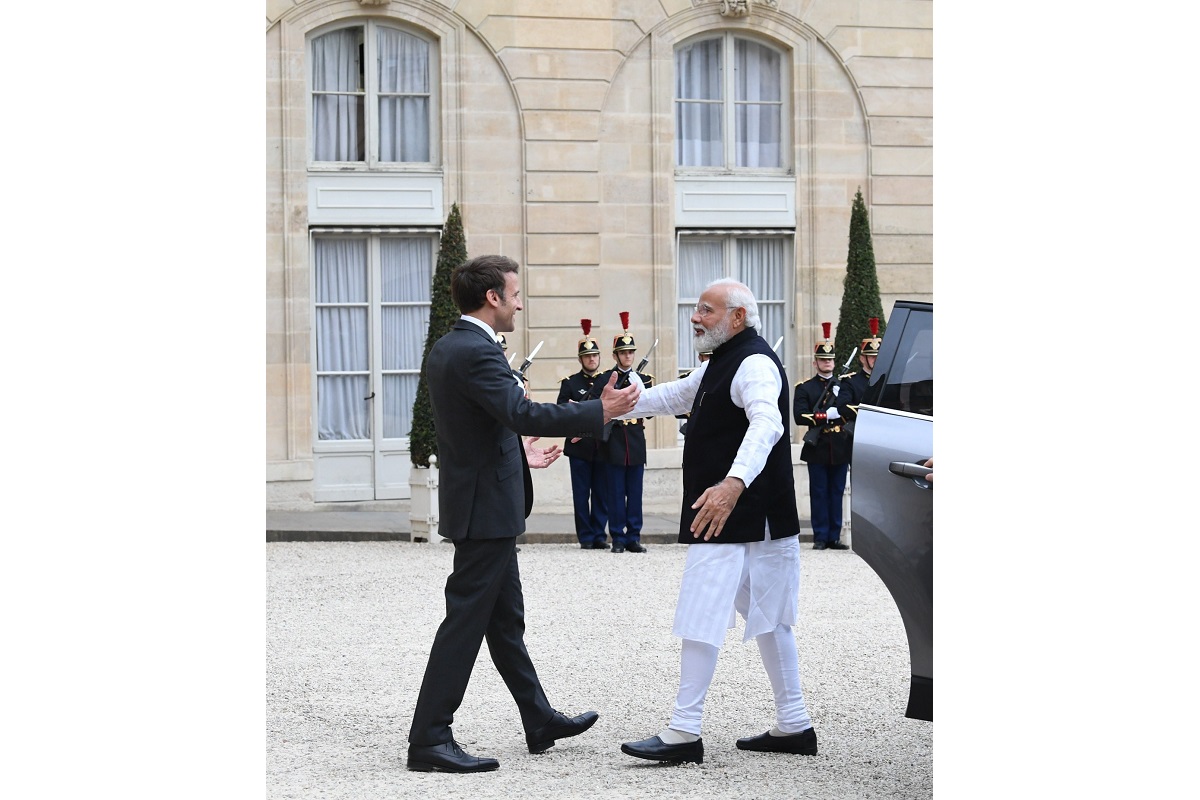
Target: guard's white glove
(836, 388)
(832, 414)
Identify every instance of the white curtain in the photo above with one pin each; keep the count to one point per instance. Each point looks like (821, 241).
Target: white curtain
(338, 125)
(403, 97)
(698, 141)
(758, 106)
(761, 267)
(407, 273)
(700, 263)
(342, 339)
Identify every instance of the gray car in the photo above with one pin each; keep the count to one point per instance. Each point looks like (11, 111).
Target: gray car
(891, 503)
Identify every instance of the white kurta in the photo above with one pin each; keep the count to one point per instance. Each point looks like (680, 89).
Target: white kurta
(759, 580)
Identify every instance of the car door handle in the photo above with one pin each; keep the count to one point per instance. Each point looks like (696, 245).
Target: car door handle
(906, 469)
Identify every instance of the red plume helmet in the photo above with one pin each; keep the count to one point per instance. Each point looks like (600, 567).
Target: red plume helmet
(587, 345)
(624, 341)
(870, 345)
(824, 349)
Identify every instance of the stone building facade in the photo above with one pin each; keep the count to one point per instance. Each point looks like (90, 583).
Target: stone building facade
(622, 151)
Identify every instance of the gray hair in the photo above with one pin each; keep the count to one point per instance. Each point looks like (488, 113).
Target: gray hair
(738, 295)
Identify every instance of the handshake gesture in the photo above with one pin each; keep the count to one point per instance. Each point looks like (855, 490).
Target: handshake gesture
(618, 401)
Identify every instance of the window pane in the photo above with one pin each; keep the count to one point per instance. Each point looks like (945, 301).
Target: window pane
(399, 391)
(757, 74)
(758, 131)
(341, 269)
(407, 266)
(698, 125)
(761, 267)
(404, 97)
(701, 261)
(758, 79)
(342, 413)
(404, 329)
(698, 141)
(341, 339)
(698, 71)
(338, 102)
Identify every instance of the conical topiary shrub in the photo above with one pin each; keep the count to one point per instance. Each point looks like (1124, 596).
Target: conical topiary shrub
(452, 251)
(860, 288)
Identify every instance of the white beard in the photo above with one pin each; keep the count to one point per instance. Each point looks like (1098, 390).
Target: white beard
(712, 338)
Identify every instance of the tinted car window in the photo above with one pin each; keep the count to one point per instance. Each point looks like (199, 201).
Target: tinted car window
(907, 383)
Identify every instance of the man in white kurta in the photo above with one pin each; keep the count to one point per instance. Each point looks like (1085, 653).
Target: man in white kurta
(737, 473)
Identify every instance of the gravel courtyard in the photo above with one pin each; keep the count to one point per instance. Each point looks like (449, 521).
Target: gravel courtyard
(348, 630)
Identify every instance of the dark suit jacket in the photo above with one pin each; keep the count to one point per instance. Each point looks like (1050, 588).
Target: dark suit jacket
(478, 411)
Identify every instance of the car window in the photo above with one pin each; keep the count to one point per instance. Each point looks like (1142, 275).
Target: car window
(908, 383)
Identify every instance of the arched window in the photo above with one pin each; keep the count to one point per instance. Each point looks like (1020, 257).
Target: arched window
(730, 104)
(373, 99)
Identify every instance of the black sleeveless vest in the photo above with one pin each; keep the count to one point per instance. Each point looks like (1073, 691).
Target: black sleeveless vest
(715, 430)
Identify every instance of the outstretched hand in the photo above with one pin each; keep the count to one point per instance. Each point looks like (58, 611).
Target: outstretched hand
(538, 457)
(618, 401)
(715, 504)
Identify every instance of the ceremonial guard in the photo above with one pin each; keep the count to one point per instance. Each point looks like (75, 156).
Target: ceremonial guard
(859, 380)
(624, 452)
(820, 406)
(584, 456)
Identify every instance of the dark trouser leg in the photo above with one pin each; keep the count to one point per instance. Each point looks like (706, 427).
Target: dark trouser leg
(580, 490)
(479, 575)
(599, 506)
(633, 508)
(506, 644)
(837, 488)
(818, 503)
(614, 501)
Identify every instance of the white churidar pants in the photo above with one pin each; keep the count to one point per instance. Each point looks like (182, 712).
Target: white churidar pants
(760, 581)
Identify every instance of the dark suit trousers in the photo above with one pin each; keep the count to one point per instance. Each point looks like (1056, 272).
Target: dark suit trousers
(483, 600)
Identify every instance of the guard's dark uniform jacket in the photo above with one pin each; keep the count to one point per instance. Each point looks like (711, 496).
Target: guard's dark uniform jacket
(857, 382)
(834, 444)
(626, 443)
(578, 387)
(716, 429)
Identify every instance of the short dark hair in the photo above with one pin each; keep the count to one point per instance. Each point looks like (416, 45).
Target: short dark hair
(470, 282)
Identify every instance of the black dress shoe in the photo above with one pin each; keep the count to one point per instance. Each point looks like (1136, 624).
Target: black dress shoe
(447, 757)
(838, 546)
(635, 547)
(803, 743)
(599, 545)
(559, 727)
(819, 545)
(655, 749)
(618, 548)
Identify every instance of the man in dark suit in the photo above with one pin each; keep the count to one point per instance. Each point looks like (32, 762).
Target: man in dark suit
(479, 409)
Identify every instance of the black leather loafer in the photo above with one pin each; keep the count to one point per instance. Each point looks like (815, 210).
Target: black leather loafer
(655, 749)
(635, 547)
(803, 743)
(447, 757)
(618, 548)
(559, 727)
(838, 546)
